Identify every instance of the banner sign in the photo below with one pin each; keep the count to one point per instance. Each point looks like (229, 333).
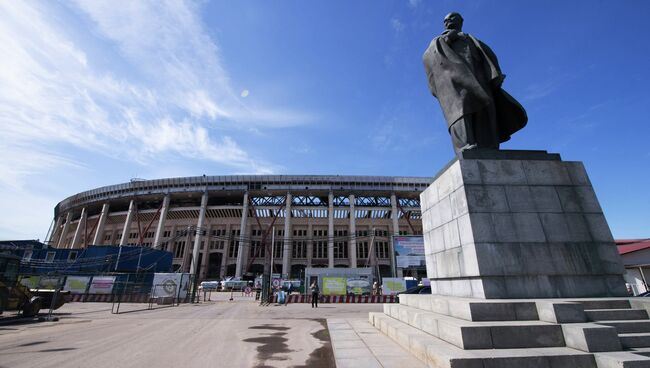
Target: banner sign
(358, 286)
(409, 251)
(101, 285)
(50, 282)
(76, 284)
(170, 284)
(30, 281)
(334, 286)
(392, 285)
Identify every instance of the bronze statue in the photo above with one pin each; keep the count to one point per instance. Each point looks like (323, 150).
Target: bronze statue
(465, 77)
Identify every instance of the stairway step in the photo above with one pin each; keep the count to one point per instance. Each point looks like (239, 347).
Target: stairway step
(615, 314)
(604, 303)
(479, 335)
(621, 359)
(635, 340)
(438, 353)
(629, 326)
(473, 309)
(641, 351)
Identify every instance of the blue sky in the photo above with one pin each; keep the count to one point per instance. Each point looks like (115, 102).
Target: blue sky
(98, 92)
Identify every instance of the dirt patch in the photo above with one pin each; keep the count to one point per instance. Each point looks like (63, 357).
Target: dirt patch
(322, 357)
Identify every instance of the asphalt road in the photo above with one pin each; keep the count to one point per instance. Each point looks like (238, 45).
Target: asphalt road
(220, 333)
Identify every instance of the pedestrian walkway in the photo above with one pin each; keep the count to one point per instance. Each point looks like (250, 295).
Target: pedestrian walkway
(357, 344)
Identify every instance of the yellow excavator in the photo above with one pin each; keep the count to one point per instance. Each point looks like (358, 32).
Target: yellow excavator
(16, 296)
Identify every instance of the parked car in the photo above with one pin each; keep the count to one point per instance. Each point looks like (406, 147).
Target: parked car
(420, 289)
(210, 285)
(234, 284)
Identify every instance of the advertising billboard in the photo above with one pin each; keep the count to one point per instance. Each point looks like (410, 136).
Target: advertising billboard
(101, 285)
(392, 285)
(30, 281)
(358, 286)
(77, 284)
(409, 251)
(334, 285)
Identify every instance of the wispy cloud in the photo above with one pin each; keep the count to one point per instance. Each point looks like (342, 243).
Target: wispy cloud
(141, 83)
(170, 97)
(397, 24)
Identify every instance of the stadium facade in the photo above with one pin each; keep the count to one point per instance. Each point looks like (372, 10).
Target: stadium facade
(313, 221)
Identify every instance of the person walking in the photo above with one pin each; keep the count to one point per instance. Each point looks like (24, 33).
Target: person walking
(315, 292)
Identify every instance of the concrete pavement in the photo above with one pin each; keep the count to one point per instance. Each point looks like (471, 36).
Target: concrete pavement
(220, 333)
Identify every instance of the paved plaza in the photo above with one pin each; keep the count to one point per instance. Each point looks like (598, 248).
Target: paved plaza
(217, 333)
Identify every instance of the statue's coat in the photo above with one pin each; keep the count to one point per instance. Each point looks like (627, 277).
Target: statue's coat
(460, 92)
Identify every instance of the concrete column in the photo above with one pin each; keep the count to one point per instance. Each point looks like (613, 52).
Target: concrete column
(330, 230)
(352, 252)
(187, 254)
(66, 227)
(170, 245)
(99, 232)
(127, 224)
(310, 243)
(395, 216)
(242, 233)
(247, 233)
(206, 255)
(57, 225)
(161, 223)
(114, 233)
(79, 233)
(286, 251)
(199, 231)
(224, 258)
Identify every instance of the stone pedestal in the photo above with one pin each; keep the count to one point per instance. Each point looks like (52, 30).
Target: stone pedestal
(517, 224)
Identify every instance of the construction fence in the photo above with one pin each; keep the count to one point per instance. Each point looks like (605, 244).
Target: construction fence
(169, 288)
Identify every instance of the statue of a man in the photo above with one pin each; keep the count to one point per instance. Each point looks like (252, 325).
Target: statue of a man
(465, 77)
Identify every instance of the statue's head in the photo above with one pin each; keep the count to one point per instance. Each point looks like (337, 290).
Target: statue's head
(454, 20)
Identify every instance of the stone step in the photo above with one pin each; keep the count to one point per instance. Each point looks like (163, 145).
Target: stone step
(479, 335)
(437, 353)
(635, 340)
(629, 326)
(604, 303)
(473, 309)
(598, 315)
(641, 351)
(591, 337)
(621, 359)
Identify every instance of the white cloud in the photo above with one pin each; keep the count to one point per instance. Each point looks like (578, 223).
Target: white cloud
(397, 25)
(144, 84)
(414, 3)
(51, 94)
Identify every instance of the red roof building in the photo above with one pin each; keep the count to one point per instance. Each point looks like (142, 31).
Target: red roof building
(635, 254)
(632, 245)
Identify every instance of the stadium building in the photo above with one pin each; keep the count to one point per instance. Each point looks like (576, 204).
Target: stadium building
(313, 221)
